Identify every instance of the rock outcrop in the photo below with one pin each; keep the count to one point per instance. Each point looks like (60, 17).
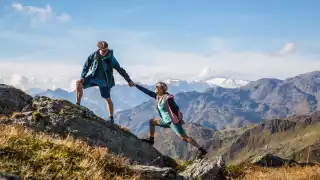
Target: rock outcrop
(156, 173)
(62, 118)
(205, 169)
(7, 176)
(12, 99)
(270, 160)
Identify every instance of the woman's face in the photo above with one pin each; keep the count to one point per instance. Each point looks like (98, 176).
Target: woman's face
(158, 90)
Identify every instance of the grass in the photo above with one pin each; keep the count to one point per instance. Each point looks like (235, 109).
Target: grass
(17, 115)
(124, 129)
(28, 154)
(182, 164)
(235, 172)
(3, 118)
(285, 173)
(37, 115)
(247, 172)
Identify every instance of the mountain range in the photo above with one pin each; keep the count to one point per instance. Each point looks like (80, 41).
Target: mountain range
(223, 108)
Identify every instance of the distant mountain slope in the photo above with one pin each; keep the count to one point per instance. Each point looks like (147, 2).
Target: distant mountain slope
(287, 138)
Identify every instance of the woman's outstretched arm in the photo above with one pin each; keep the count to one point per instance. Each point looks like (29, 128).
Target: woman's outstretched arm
(147, 91)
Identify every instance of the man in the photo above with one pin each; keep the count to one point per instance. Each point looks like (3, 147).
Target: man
(101, 62)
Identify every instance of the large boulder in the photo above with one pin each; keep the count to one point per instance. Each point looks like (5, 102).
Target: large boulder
(156, 173)
(270, 160)
(7, 176)
(63, 118)
(12, 99)
(205, 169)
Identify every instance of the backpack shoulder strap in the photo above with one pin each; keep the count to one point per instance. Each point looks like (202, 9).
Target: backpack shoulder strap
(169, 96)
(96, 54)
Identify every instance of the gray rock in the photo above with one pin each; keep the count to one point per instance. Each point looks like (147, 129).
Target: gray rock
(151, 172)
(28, 108)
(7, 176)
(43, 110)
(270, 160)
(205, 169)
(12, 99)
(28, 113)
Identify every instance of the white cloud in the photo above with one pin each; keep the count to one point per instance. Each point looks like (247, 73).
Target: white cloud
(147, 63)
(17, 6)
(64, 17)
(287, 48)
(40, 14)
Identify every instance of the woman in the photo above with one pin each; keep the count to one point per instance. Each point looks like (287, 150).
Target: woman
(169, 113)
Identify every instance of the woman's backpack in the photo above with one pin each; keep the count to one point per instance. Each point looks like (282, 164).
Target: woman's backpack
(175, 119)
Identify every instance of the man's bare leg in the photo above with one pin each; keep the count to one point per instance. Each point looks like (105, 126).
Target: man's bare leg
(110, 108)
(79, 92)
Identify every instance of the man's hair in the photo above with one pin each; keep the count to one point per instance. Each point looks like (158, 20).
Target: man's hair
(102, 44)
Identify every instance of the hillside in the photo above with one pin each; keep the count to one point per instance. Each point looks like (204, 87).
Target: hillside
(220, 108)
(286, 138)
(296, 138)
(207, 137)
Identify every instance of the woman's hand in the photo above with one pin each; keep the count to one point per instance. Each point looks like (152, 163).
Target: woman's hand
(131, 83)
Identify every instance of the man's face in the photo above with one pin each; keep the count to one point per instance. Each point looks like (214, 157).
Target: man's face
(104, 50)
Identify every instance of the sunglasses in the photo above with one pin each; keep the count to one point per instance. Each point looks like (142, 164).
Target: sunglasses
(104, 50)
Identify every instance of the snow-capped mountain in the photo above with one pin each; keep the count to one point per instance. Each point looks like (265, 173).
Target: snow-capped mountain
(204, 74)
(177, 85)
(226, 82)
(210, 77)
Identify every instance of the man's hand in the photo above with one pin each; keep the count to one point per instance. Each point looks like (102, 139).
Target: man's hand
(131, 83)
(80, 81)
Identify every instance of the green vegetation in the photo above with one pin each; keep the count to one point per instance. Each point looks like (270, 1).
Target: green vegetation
(3, 118)
(235, 172)
(182, 164)
(250, 172)
(37, 116)
(17, 115)
(25, 153)
(124, 129)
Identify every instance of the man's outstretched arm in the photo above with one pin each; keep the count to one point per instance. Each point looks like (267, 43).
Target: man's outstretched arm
(86, 66)
(121, 71)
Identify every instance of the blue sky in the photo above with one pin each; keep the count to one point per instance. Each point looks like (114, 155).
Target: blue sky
(242, 39)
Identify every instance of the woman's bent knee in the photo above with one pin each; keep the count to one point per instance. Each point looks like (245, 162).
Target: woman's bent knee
(183, 137)
(151, 121)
